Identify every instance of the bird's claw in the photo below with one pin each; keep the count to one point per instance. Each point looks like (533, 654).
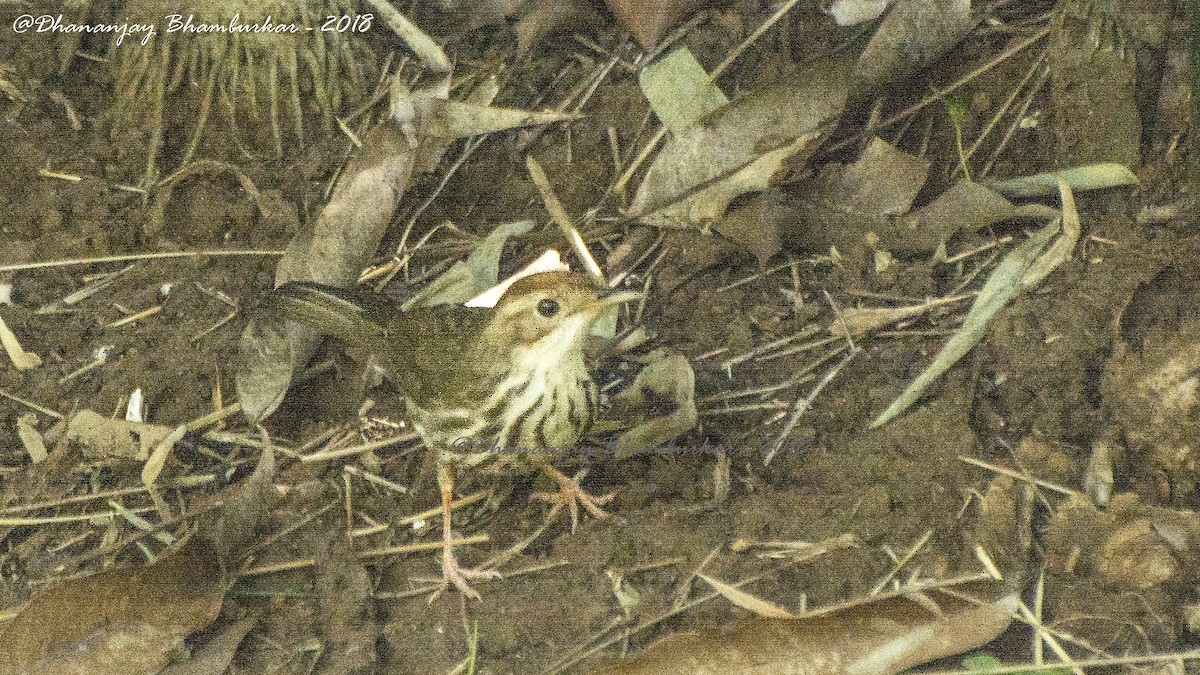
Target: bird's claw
(454, 574)
(572, 495)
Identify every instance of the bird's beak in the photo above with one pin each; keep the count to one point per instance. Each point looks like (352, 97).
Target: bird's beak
(617, 296)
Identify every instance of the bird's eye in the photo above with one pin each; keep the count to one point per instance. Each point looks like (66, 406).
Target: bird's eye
(547, 307)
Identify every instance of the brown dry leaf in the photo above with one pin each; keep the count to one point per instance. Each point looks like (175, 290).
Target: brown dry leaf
(879, 637)
(243, 518)
(711, 202)
(649, 20)
(965, 206)
(101, 437)
(734, 138)
(543, 18)
(118, 622)
(690, 253)
(667, 382)
(839, 207)
(883, 181)
(914, 35)
(756, 223)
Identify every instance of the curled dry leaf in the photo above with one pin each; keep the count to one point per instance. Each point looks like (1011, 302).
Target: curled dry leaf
(159, 455)
(666, 383)
(878, 637)
(101, 437)
(334, 251)
(215, 656)
(747, 601)
(27, 431)
(243, 518)
(456, 119)
(116, 622)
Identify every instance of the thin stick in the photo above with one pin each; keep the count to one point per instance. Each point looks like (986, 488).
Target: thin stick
(987, 129)
(717, 72)
(1020, 476)
(351, 451)
(803, 404)
(51, 520)
(422, 546)
(77, 499)
(941, 94)
(437, 510)
(1192, 655)
(559, 215)
(912, 552)
(30, 404)
(138, 256)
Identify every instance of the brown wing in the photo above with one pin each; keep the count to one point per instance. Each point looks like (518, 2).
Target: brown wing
(422, 349)
(432, 351)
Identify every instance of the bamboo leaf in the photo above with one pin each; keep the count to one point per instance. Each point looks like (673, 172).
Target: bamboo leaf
(1001, 287)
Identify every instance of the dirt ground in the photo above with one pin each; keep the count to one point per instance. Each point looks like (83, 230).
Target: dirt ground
(1099, 360)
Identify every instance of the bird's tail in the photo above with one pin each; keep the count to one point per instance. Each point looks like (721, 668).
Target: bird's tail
(333, 311)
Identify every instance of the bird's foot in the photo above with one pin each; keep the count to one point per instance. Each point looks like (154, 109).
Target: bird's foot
(454, 574)
(571, 495)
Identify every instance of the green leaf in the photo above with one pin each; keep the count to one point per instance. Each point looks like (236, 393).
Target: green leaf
(470, 277)
(1001, 287)
(1091, 177)
(680, 90)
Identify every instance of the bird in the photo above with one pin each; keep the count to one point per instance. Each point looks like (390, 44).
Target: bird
(504, 389)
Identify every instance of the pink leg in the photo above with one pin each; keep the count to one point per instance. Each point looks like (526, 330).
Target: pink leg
(452, 572)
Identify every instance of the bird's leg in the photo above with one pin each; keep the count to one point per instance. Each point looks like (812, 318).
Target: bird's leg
(571, 495)
(452, 572)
